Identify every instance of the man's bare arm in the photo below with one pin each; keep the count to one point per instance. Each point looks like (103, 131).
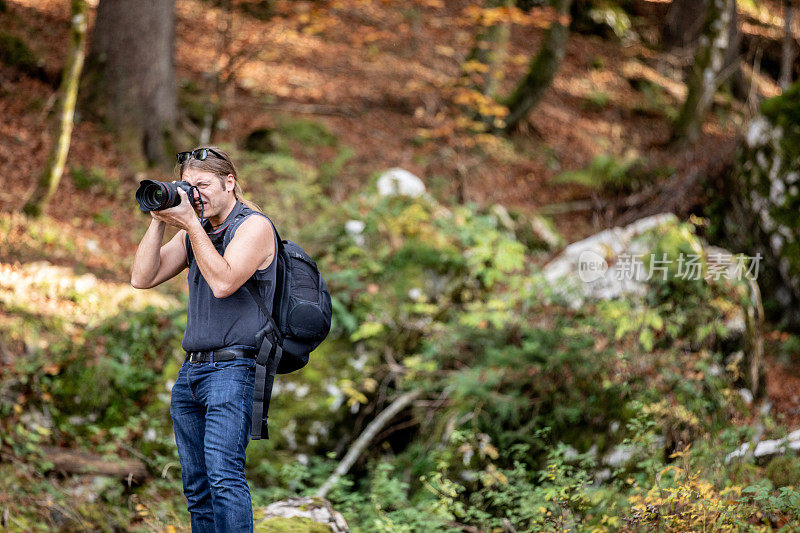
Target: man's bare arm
(252, 244)
(153, 263)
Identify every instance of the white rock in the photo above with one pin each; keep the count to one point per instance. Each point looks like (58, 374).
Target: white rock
(415, 293)
(757, 132)
(602, 476)
(92, 246)
(338, 396)
(354, 227)
(288, 433)
(619, 455)
(746, 395)
(397, 181)
(359, 363)
(768, 448)
(573, 279)
(570, 453)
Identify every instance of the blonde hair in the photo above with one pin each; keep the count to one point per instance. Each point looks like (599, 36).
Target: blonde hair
(218, 162)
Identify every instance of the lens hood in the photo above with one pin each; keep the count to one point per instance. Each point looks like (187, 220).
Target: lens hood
(155, 195)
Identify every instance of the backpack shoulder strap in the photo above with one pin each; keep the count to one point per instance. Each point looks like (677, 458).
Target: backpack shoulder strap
(241, 212)
(252, 288)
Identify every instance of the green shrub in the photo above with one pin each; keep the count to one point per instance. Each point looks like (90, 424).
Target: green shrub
(93, 180)
(15, 53)
(117, 370)
(783, 471)
(608, 173)
(307, 132)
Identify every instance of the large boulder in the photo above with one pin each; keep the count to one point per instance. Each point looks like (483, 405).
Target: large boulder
(624, 262)
(593, 267)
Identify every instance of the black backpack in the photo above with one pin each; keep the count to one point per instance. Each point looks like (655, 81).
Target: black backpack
(299, 322)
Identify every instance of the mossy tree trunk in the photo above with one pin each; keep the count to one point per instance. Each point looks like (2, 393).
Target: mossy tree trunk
(54, 168)
(489, 50)
(131, 62)
(708, 71)
(543, 68)
(482, 69)
(756, 209)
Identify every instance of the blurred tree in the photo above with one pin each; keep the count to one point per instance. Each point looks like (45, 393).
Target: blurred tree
(54, 168)
(483, 65)
(755, 206)
(543, 68)
(788, 50)
(709, 69)
(133, 78)
(482, 69)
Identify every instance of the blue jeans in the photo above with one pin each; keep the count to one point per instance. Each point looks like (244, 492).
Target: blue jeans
(211, 407)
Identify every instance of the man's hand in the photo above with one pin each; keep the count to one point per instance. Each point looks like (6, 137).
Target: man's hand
(181, 216)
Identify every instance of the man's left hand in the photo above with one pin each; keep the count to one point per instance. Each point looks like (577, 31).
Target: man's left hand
(181, 216)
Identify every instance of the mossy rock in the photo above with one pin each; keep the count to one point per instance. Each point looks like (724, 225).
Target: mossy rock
(296, 524)
(300, 515)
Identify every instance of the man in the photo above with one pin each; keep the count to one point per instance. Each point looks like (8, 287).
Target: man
(212, 399)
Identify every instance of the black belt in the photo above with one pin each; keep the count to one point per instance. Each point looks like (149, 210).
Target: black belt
(220, 355)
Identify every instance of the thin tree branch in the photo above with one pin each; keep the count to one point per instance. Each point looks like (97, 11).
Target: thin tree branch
(365, 438)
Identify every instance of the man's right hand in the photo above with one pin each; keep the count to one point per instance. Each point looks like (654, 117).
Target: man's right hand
(182, 216)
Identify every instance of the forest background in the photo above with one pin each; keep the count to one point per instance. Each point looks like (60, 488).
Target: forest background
(436, 157)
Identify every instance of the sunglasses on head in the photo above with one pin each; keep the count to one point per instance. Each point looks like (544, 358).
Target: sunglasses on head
(200, 154)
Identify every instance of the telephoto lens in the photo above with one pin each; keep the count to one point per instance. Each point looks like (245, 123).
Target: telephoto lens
(157, 195)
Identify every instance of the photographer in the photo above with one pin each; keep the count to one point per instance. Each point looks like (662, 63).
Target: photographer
(212, 399)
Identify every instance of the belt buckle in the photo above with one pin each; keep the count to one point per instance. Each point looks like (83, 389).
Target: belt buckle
(192, 358)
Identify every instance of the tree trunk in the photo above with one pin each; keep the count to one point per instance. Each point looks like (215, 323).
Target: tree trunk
(543, 68)
(482, 69)
(490, 49)
(132, 61)
(70, 461)
(788, 49)
(682, 25)
(54, 168)
(709, 69)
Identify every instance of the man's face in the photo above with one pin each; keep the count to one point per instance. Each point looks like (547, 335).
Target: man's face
(213, 194)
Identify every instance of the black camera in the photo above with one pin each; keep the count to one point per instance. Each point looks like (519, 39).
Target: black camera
(157, 195)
